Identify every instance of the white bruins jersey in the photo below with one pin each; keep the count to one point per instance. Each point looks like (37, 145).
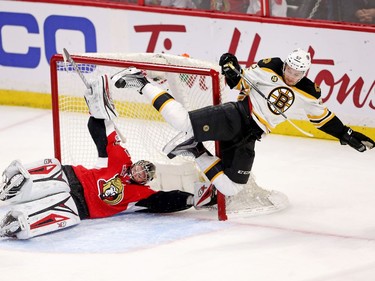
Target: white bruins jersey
(304, 96)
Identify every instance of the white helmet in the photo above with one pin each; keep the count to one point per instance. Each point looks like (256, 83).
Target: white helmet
(299, 60)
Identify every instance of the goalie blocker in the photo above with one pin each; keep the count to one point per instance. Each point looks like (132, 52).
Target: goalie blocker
(99, 100)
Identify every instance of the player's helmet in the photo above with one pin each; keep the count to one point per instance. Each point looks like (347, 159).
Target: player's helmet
(299, 60)
(148, 167)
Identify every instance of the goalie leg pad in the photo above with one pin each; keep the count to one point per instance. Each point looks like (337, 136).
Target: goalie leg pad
(99, 99)
(42, 178)
(43, 216)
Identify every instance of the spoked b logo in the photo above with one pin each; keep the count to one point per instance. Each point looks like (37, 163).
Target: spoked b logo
(282, 98)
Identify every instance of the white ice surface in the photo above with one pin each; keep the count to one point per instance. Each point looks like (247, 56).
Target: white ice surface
(327, 234)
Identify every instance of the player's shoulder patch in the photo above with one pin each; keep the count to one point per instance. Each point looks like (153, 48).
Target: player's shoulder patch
(309, 87)
(275, 64)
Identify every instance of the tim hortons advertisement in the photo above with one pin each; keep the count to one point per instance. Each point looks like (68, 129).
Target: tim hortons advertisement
(32, 32)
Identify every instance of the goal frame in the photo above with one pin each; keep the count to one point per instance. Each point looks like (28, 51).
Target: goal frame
(55, 59)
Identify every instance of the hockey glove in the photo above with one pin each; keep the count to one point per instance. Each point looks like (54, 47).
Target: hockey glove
(231, 76)
(356, 140)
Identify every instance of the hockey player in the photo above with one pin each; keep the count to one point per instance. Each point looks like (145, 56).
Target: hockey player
(46, 196)
(238, 125)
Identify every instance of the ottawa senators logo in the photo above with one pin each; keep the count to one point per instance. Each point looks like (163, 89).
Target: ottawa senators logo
(282, 98)
(111, 191)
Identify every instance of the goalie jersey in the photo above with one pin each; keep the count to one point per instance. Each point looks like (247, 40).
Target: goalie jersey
(303, 98)
(109, 190)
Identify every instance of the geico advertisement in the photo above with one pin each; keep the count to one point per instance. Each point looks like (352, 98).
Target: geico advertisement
(32, 32)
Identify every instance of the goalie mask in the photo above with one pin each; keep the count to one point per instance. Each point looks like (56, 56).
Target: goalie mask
(142, 171)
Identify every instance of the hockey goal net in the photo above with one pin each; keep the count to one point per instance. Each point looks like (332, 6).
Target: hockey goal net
(192, 82)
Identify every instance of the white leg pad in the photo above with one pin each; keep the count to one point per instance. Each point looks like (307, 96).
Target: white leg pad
(46, 215)
(44, 178)
(14, 168)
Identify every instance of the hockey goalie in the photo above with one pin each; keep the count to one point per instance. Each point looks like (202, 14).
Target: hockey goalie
(46, 196)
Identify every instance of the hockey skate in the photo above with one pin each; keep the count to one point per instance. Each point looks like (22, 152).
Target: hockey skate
(11, 187)
(13, 179)
(11, 224)
(205, 196)
(130, 78)
(189, 147)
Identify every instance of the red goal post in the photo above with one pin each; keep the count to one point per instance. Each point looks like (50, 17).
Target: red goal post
(196, 83)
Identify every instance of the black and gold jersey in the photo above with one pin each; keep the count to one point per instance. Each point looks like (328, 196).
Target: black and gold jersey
(304, 98)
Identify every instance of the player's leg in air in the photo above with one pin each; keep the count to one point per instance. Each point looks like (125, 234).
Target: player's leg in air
(193, 135)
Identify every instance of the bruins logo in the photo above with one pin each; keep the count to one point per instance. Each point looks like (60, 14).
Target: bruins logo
(111, 191)
(282, 98)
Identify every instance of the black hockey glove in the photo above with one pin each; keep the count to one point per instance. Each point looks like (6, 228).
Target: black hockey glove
(232, 77)
(356, 140)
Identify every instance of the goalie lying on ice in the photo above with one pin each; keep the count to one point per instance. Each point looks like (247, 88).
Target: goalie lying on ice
(46, 196)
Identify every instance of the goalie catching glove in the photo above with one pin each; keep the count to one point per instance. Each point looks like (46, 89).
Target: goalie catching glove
(99, 98)
(356, 140)
(231, 76)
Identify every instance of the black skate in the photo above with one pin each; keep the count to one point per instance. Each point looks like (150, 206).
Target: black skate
(130, 78)
(10, 225)
(10, 187)
(190, 147)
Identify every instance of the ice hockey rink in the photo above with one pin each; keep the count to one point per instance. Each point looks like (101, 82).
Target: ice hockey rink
(327, 233)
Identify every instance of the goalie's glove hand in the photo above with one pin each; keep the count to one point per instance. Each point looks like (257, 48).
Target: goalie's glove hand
(231, 76)
(356, 140)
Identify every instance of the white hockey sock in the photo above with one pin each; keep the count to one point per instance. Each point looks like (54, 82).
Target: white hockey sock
(172, 111)
(212, 168)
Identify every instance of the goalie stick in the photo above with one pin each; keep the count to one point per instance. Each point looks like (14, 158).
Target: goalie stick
(68, 59)
(243, 76)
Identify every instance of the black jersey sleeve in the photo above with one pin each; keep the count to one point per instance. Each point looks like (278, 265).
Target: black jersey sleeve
(334, 127)
(275, 64)
(98, 134)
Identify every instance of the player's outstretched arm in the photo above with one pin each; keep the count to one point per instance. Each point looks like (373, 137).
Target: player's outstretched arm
(356, 140)
(346, 135)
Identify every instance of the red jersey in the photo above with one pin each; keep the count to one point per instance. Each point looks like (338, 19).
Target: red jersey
(108, 190)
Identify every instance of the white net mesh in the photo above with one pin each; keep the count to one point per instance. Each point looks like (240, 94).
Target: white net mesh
(254, 200)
